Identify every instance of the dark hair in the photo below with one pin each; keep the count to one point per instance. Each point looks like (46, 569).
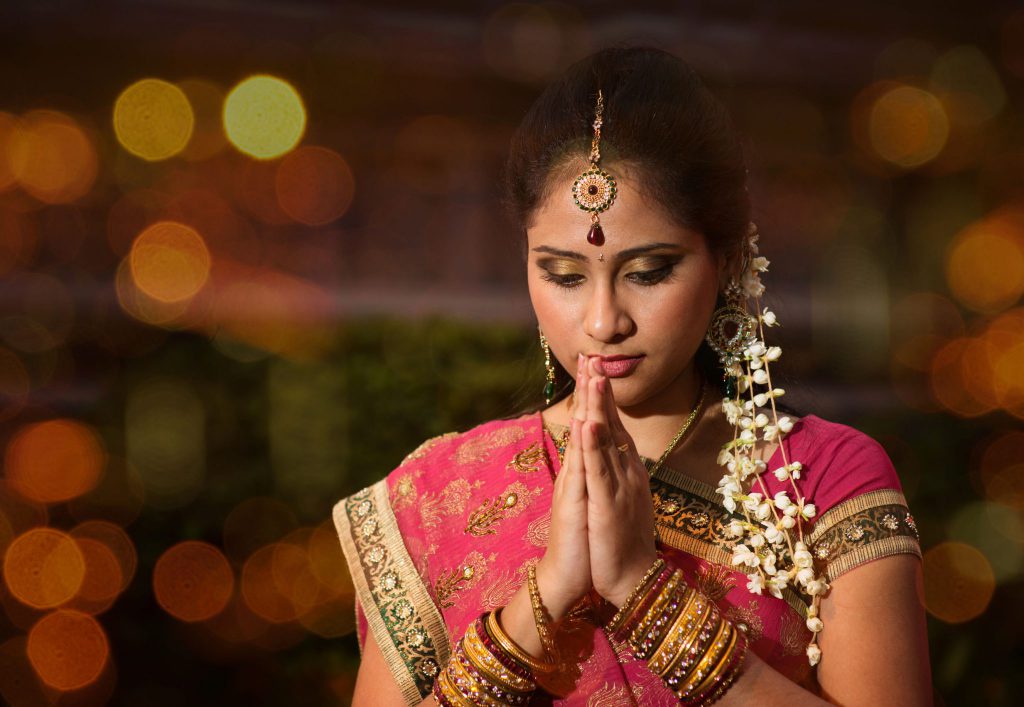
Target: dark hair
(661, 122)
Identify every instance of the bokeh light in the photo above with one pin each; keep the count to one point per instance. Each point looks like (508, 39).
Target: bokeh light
(193, 581)
(908, 126)
(54, 461)
(52, 157)
(19, 685)
(264, 117)
(958, 582)
(8, 128)
(165, 436)
(43, 568)
(1001, 469)
(153, 119)
(530, 42)
(144, 308)
(170, 261)
(20, 242)
(260, 588)
(969, 85)
(103, 580)
(948, 383)
(985, 262)
(115, 539)
(314, 185)
(68, 649)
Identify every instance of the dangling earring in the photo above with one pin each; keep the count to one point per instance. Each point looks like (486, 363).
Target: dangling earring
(549, 368)
(731, 331)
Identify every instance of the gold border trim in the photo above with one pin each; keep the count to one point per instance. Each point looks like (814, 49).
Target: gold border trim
(883, 547)
(424, 609)
(840, 512)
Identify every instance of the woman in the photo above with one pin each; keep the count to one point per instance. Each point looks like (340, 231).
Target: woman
(632, 542)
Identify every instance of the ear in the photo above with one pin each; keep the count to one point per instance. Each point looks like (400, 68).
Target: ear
(730, 264)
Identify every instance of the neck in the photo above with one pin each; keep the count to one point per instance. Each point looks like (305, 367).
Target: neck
(653, 423)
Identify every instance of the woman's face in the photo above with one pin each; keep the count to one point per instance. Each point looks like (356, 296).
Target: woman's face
(644, 308)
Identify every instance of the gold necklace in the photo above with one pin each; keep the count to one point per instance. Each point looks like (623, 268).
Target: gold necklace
(561, 439)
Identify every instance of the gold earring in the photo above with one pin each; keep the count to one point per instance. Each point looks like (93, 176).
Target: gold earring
(549, 368)
(731, 331)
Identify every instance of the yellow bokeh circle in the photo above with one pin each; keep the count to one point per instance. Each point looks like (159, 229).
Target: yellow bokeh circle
(153, 119)
(264, 117)
(908, 127)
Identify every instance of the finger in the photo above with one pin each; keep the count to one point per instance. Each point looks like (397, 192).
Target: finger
(611, 414)
(580, 413)
(602, 477)
(576, 479)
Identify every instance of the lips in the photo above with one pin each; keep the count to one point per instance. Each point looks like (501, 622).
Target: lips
(620, 366)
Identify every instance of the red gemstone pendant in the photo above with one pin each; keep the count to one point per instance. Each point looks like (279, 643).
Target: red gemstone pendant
(596, 235)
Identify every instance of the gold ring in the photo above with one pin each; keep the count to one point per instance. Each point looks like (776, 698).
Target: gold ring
(623, 448)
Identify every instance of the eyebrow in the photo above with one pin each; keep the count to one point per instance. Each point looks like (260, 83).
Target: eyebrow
(622, 255)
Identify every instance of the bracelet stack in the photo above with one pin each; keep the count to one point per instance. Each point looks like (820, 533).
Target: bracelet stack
(682, 635)
(488, 668)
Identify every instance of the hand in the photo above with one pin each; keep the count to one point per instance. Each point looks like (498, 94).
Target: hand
(563, 574)
(620, 510)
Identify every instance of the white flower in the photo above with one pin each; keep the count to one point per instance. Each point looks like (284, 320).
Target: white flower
(801, 557)
(795, 468)
(761, 420)
(782, 501)
(813, 654)
(782, 473)
(760, 377)
(730, 504)
(785, 424)
(770, 433)
(809, 510)
(815, 625)
(724, 457)
(768, 317)
(756, 584)
(751, 284)
(745, 423)
(742, 555)
(773, 353)
(759, 264)
(768, 563)
(751, 501)
(747, 437)
(787, 522)
(816, 587)
(776, 584)
(735, 528)
(773, 534)
(757, 540)
(804, 576)
(755, 350)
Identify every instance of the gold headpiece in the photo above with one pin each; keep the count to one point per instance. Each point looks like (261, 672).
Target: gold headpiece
(594, 190)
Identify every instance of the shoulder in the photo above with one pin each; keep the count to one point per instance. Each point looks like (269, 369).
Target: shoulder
(862, 514)
(841, 461)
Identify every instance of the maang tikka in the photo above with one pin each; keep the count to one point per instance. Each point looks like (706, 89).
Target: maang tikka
(594, 190)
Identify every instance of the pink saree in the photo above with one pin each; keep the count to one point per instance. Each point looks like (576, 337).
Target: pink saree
(452, 532)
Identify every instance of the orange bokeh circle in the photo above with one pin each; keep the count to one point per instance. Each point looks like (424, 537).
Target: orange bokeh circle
(54, 461)
(193, 581)
(68, 649)
(958, 582)
(44, 568)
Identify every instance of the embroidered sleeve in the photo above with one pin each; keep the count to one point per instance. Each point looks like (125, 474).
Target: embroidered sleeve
(870, 526)
(404, 621)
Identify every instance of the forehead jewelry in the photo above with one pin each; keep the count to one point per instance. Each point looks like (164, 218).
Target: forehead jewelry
(594, 190)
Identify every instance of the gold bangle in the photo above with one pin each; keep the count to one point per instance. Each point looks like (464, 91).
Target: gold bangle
(643, 639)
(510, 647)
(684, 628)
(491, 667)
(547, 641)
(478, 693)
(695, 647)
(712, 657)
(722, 664)
(634, 597)
(450, 692)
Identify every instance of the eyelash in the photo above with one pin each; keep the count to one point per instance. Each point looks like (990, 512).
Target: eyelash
(645, 278)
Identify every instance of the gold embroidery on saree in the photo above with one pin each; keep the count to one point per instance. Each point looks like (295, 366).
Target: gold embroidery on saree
(479, 447)
(457, 579)
(873, 525)
(508, 504)
(404, 492)
(793, 635)
(748, 620)
(529, 460)
(404, 621)
(451, 501)
(714, 581)
(538, 529)
(610, 696)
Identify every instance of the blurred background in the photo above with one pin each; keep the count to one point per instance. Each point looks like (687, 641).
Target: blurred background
(251, 254)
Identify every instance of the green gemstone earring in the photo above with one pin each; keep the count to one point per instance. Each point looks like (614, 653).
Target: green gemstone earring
(549, 368)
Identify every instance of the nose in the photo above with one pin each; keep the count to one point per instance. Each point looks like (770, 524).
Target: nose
(606, 318)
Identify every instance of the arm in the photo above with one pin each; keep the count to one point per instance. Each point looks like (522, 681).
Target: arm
(374, 683)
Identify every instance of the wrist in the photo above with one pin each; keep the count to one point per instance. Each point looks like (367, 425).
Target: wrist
(630, 580)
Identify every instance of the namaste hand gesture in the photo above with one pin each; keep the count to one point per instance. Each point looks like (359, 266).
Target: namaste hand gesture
(602, 514)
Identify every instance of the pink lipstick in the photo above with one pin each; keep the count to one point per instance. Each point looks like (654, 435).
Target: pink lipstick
(620, 366)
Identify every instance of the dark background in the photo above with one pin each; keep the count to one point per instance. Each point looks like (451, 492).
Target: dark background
(886, 160)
